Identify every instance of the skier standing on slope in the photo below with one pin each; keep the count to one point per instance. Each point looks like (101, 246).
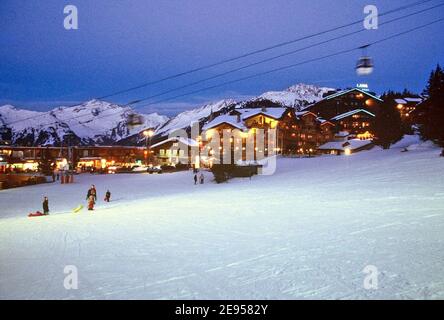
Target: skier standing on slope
(195, 178)
(45, 206)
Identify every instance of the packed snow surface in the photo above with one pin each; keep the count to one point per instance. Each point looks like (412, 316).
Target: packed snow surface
(307, 231)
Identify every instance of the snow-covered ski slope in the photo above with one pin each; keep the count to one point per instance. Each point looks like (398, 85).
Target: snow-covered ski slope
(306, 232)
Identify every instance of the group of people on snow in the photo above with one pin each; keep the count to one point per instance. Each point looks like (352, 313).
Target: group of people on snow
(91, 197)
(199, 178)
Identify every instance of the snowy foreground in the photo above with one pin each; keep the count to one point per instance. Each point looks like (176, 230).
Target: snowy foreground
(306, 232)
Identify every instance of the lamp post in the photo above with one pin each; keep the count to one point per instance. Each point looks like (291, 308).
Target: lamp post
(148, 135)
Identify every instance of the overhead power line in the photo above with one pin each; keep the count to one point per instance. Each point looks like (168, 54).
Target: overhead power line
(278, 56)
(294, 65)
(255, 52)
(251, 53)
(275, 69)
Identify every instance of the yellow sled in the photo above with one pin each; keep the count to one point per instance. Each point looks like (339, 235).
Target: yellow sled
(78, 209)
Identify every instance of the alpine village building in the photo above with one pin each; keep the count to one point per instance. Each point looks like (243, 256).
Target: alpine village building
(340, 123)
(339, 117)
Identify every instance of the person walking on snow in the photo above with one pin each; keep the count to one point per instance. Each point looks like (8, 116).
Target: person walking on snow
(45, 206)
(195, 178)
(201, 178)
(107, 196)
(92, 192)
(91, 202)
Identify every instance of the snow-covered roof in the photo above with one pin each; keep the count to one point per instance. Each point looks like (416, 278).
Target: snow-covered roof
(351, 144)
(342, 134)
(340, 93)
(407, 100)
(186, 141)
(225, 118)
(301, 113)
(350, 113)
(90, 158)
(304, 113)
(275, 113)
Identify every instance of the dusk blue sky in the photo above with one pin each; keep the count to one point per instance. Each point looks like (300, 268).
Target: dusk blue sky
(123, 43)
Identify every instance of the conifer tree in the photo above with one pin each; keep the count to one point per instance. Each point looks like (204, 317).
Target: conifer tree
(432, 121)
(388, 127)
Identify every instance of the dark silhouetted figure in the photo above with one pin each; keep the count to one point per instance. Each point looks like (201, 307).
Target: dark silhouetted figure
(45, 205)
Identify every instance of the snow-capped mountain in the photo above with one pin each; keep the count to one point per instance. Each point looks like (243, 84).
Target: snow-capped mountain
(184, 119)
(101, 122)
(297, 96)
(93, 122)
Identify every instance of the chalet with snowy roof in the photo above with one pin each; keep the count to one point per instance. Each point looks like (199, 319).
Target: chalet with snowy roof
(345, 143)
(241, 126)
(173, 150)
(345, 103)
(406, 106)
(353, 110)
(296, 132)
(356, 121)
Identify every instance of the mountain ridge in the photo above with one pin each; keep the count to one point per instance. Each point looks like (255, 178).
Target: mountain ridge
(97, 122)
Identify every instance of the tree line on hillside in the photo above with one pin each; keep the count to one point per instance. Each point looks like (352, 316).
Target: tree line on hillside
(389, 127)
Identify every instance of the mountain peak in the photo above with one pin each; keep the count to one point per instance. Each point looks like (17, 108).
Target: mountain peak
(102, 122)
(296, 96)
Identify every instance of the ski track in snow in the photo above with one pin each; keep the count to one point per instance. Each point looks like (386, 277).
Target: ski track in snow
(306, 232)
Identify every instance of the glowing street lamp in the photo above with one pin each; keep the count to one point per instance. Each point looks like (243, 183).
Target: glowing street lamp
(148, 133)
